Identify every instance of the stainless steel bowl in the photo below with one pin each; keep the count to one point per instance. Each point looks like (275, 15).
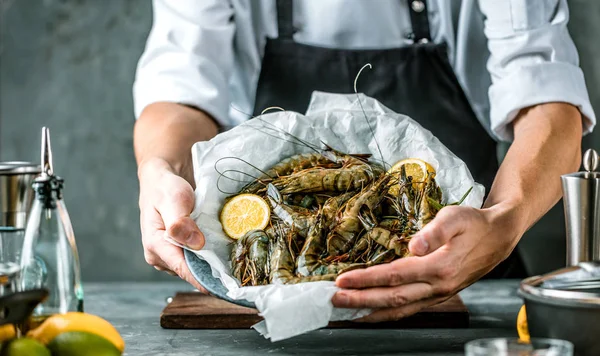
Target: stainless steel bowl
(565, 304)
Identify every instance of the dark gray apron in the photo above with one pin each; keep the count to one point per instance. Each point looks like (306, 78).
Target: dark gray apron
(415, 80)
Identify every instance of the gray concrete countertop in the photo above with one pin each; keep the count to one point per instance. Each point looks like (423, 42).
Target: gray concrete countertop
(134, 309)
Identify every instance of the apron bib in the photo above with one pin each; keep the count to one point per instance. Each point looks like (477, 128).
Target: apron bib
(415, 80)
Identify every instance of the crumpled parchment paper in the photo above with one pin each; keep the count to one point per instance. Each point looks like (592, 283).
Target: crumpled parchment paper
(335, 119)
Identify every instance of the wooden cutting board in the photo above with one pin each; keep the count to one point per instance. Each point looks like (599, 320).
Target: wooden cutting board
(193, 310)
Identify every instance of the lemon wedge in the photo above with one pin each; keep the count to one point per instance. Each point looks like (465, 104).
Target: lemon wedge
(7, 332)
(243, 213)
(415, 168)
(522, 328)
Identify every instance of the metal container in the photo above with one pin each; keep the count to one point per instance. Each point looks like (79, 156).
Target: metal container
(581, 199)
(16, 194)
(565, 304)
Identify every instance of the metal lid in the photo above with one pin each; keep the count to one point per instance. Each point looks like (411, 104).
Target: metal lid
(590, 160)
(572, 286)
(19, 167)
(590, 165)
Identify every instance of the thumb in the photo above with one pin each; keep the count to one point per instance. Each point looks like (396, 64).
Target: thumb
(449, 222)
(174, 206)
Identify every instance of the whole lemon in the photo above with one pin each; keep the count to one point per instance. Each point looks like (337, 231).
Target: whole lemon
(24, 346)
(76, 321)
(76, 343)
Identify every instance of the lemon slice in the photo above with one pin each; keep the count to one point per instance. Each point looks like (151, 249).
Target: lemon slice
(243, 213)
(415, 168)
(522, 328)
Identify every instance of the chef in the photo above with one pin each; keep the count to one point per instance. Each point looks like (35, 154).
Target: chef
(472, 72)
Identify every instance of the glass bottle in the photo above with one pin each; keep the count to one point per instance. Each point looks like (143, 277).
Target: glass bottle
(49, 258)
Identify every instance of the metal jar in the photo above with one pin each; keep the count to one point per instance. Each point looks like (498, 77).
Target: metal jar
(581, 199)
(16, 194)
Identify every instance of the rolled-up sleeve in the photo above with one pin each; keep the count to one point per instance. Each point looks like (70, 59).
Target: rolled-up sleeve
(533, 60)
(188, 57)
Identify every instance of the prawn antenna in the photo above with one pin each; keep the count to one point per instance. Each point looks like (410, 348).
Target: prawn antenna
(221, 190)
(276, 135)
(241, 160)
(240, 110)
(358, 75)
(365, 114)
(273, 127)
(272, 108)
(224, 175)
(270, 126)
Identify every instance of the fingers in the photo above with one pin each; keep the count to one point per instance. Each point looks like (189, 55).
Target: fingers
(449, 222)
(154, 248)
(174, 206)
(169, 258)
(166, 201)
(176, 199)
(402, 271)
(161, 254)
(386, 297)
(174, 260)
(391, 314)
(161, 269)
(185, 231)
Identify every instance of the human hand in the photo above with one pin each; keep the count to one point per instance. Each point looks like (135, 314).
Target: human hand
(166, 201)
(454, 250)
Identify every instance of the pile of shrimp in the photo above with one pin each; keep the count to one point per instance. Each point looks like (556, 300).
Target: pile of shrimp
(331, 212)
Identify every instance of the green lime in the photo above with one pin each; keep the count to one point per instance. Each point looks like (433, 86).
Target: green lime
(24, 346)
(76, 343)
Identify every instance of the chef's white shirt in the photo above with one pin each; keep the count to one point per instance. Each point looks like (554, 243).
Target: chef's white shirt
(507, 54)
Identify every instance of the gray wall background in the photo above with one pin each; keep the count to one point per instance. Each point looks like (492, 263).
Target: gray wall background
(69, 65)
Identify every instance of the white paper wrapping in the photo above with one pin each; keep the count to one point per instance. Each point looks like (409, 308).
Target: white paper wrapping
(337, 120)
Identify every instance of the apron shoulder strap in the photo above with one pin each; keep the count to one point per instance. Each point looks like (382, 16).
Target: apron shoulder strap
(285, 20)
(419, 21)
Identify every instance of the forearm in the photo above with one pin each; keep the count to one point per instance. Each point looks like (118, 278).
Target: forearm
(547, 144)
(167, 131)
